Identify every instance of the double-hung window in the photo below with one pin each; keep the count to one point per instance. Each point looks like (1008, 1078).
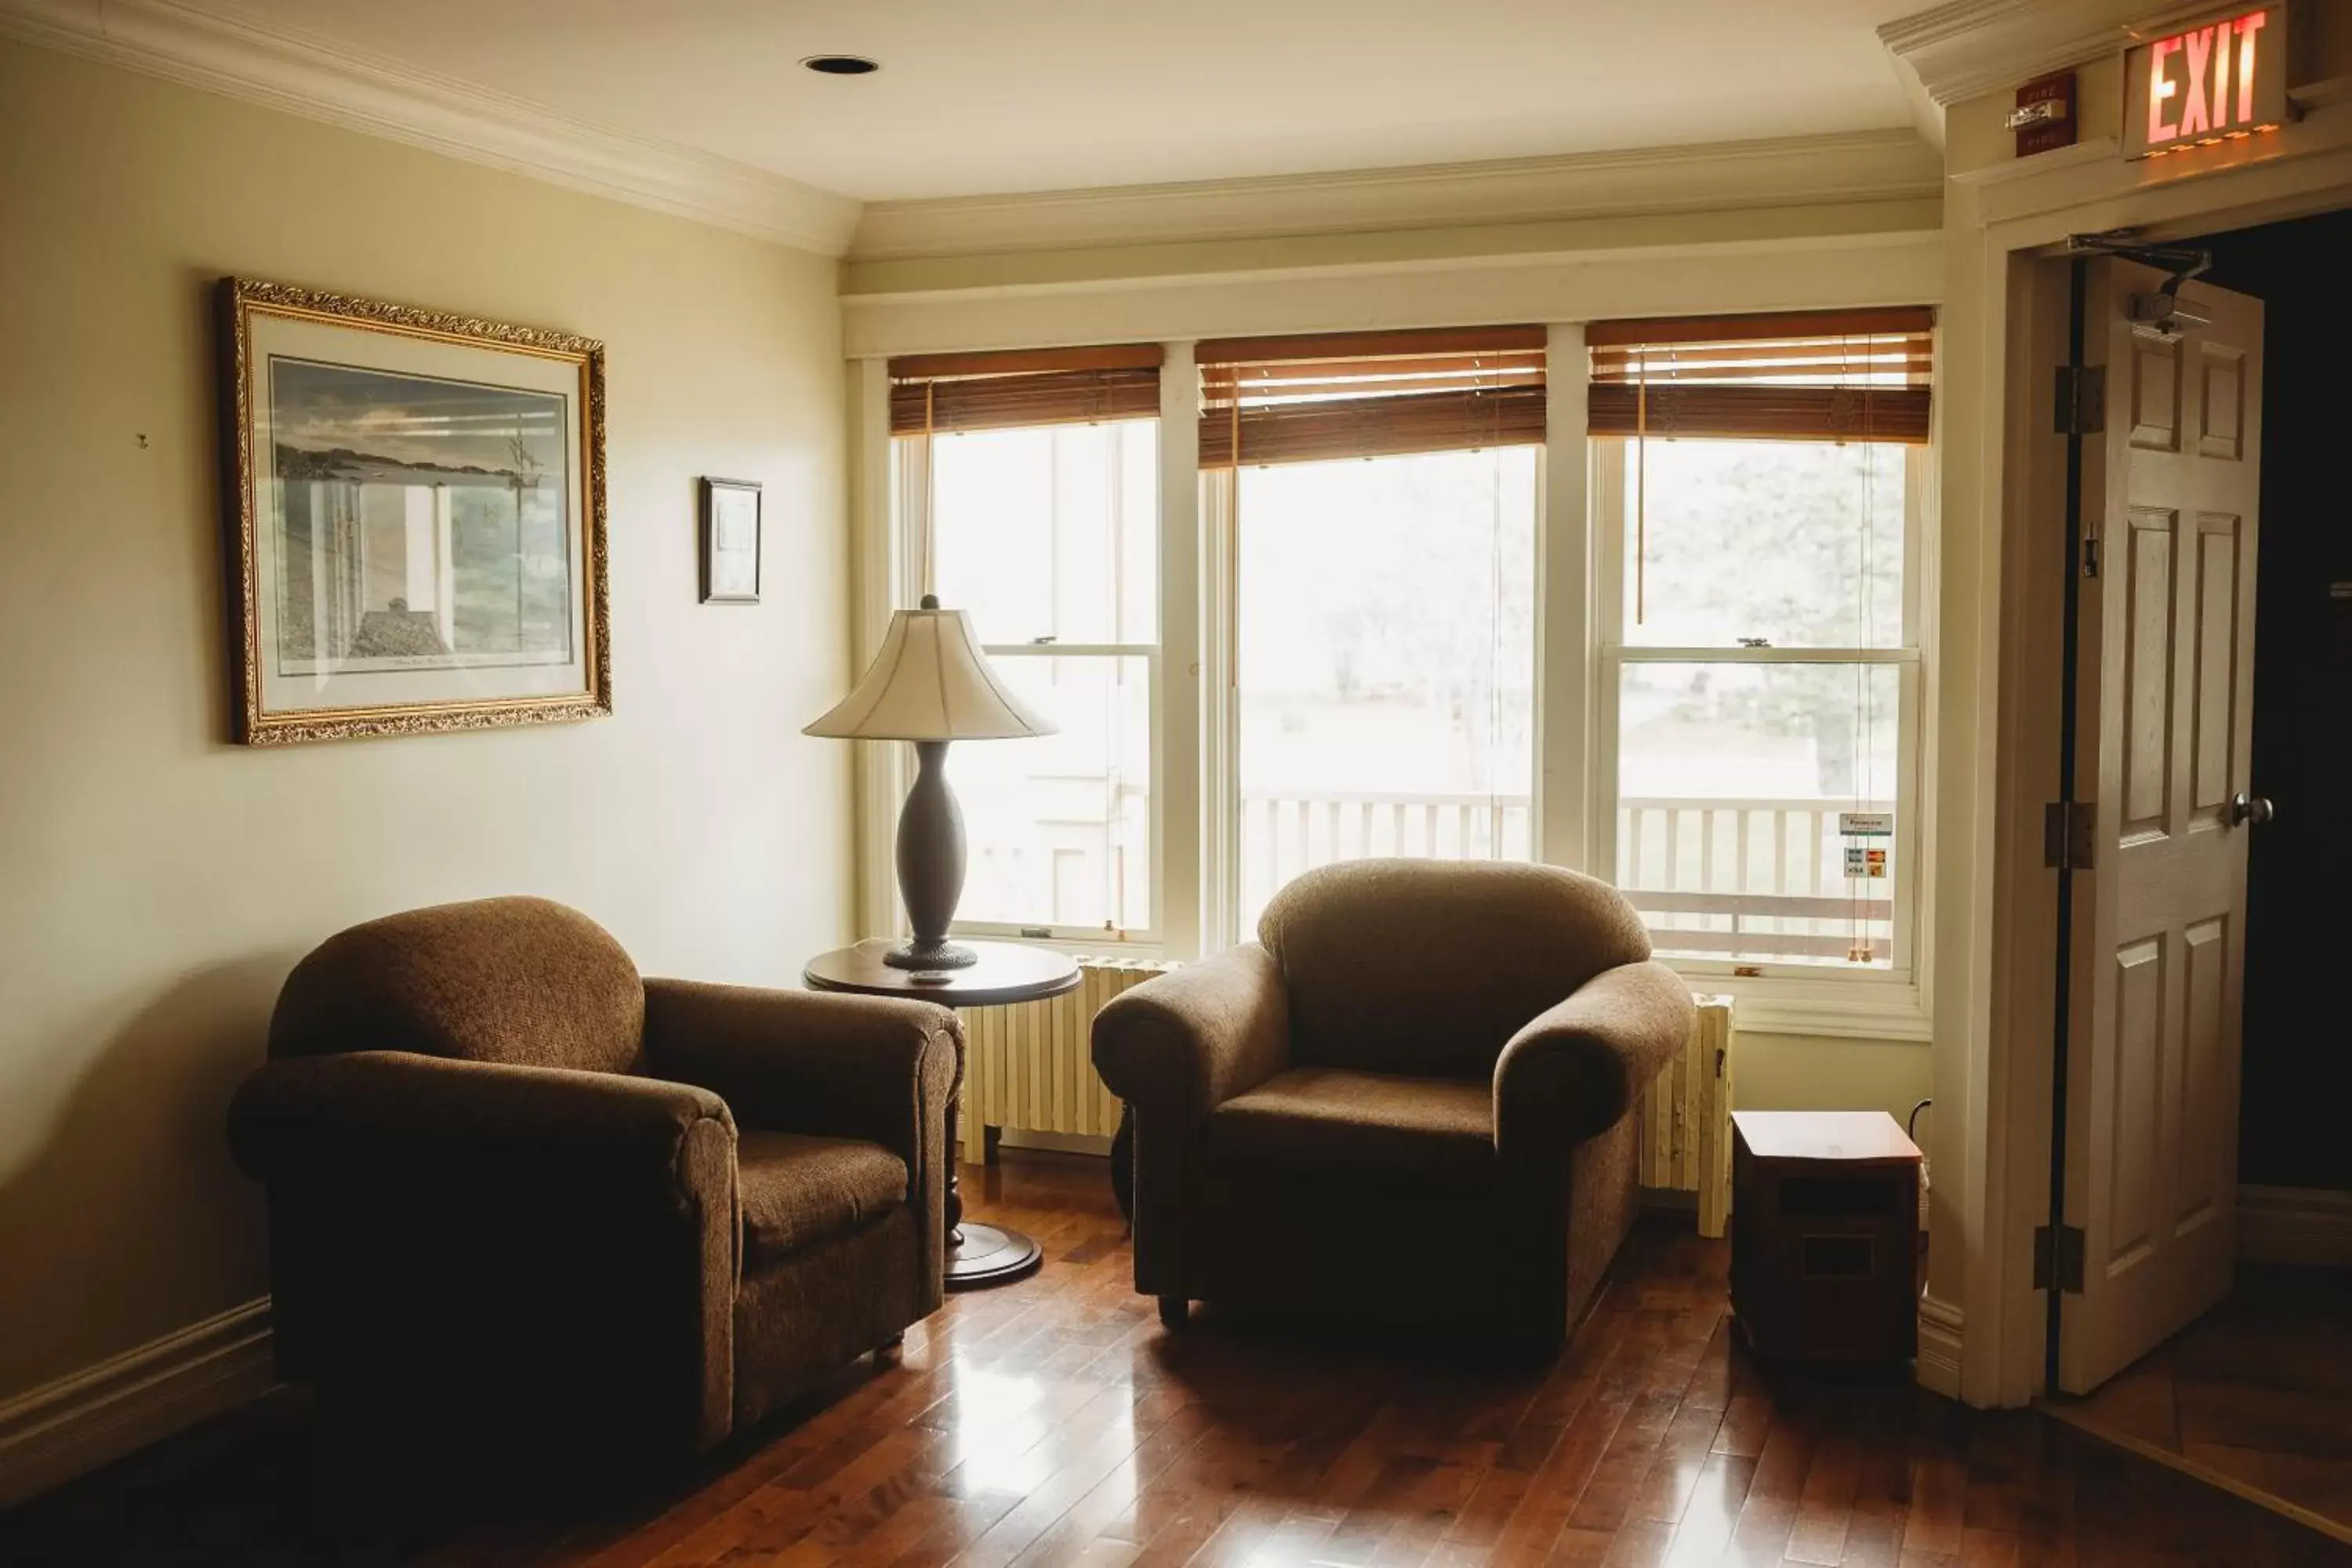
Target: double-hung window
(1026, 490)
(1756, 502)
(1734, 692)
(1375, 500)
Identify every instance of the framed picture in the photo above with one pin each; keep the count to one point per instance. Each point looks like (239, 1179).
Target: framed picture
(416, 519)
(730, 542)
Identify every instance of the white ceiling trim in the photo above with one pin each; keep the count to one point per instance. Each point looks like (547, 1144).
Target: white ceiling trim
(1967, 48)
(386, 98)
(1875, 166)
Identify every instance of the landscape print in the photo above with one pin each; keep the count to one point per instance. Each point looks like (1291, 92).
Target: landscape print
(420, 523)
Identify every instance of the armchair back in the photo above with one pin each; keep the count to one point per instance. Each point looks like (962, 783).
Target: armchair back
(517, 980)
(1429, 967)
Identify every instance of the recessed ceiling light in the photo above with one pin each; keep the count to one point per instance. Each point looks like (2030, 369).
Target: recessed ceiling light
(842, 65)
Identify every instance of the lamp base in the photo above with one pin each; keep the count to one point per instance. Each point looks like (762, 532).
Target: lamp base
(914, 954)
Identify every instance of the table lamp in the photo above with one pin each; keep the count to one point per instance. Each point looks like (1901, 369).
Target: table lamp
(930, 685)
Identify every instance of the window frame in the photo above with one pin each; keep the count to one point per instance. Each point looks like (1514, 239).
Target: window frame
(1800, 997)
(907, 505)
(1194, 818)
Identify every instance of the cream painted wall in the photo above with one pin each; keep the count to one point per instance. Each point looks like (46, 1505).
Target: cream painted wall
(158, 883)
(1806, 1072)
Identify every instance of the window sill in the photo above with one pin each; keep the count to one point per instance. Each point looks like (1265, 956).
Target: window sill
(1886, 1011)
(1146, 951)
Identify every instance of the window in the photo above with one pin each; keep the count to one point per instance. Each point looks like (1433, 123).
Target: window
(1754, 487)
(1027, 488)
(1355, 669)
(1380, 535)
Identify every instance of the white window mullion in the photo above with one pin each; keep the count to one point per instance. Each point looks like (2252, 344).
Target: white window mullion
(880, 567)
(1566, 734)
(1605, 521)
(1178, 863)
(1219, 819)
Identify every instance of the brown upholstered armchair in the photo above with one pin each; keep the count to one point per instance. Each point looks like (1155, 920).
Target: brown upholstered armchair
(1409, 1102)
(515, 1190)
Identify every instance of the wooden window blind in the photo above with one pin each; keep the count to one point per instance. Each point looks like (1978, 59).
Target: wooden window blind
(1838, 376)
(1369, 395)
(1041, 386)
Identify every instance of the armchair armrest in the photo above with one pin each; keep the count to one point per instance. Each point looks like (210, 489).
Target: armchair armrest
(1174, 1047)
(439, 1226)
(298, 1116)
(1186, 1041)
(1574, 1071)
(812, 1061)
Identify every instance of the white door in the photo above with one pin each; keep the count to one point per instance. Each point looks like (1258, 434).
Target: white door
(2165, 685)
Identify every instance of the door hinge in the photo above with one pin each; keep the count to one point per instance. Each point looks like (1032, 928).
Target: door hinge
(2081, 401)
(2090, 554)
(2058, 1259)
(2066, 835)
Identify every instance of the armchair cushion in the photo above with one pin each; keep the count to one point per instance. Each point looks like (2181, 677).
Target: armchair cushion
(797, 1189)
(1333, 1124)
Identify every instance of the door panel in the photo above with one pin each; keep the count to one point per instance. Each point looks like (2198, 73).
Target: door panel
(2164, 692)
(2137, 1100)
(2153, 365)
(2205, 953)
(2148, 672)
(2217, 659)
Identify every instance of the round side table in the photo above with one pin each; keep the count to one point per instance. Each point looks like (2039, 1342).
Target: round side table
(978, 1255)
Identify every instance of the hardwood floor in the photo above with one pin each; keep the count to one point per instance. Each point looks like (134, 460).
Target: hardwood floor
(2257, 1395)
(1054, 1424)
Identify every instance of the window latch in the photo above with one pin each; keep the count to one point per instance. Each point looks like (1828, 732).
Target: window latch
(1041, 642)
(1754, 642)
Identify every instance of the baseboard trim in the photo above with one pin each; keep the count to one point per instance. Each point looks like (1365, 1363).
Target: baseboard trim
(2309, 1225)
(63, 1429)
(1938, 1369)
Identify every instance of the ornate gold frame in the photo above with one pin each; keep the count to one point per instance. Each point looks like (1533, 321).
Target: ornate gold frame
(241, 299)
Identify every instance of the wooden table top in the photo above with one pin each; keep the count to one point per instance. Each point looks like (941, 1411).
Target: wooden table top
(1850, 1137)
(1007, 971)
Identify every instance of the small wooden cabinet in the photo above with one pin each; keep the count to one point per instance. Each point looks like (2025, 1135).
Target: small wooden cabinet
(1825, 1235)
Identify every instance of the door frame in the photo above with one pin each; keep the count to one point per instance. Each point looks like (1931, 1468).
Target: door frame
(2006, 318)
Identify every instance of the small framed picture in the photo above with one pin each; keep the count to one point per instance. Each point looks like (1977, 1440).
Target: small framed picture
(730, 542)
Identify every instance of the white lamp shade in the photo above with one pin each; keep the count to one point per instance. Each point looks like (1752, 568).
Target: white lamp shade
(929, 682)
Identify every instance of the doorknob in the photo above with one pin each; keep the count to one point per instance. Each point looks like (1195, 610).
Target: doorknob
(2255, 808)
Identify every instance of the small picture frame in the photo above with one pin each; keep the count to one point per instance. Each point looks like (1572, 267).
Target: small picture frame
(730, 542)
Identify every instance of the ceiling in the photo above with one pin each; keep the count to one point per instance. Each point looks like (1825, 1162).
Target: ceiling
(1028, 95)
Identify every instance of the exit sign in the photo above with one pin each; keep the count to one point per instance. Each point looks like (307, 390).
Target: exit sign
(2217, 81)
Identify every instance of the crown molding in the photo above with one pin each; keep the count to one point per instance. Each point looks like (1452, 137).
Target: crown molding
(1874, 165)
(1964, 48)
(365, 92)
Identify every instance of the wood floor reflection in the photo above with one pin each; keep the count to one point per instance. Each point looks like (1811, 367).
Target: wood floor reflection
(1054, 1423)
(2257, 1395)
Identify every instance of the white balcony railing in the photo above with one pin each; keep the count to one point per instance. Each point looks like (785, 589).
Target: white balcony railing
(1747, 880)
